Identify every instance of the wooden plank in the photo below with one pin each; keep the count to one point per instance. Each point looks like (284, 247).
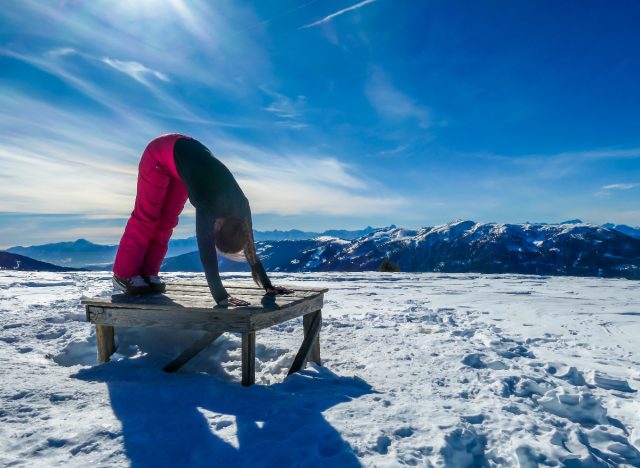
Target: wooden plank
(195, 291)
(184, 319)
(248, 359)
(189, 353)
(105, 342)
(162, 302)
(247, 285)
(268, 318)
(307, 321)
(204, 298)
(308, 342)
(186, 300)
(240, 319)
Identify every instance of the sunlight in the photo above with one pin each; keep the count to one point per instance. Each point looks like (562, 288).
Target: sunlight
(143, 7)
(223, 426)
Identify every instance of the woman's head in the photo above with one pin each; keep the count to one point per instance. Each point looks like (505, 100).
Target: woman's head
(231, 236)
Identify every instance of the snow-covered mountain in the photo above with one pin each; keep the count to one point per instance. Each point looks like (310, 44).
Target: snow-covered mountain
(628, 230)
(83, 253)
(461, 246)
(571, 248)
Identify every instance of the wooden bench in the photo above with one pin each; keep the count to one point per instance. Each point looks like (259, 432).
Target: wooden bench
(189, 306)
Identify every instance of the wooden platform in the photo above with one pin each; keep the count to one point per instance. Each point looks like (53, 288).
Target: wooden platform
(189, 306)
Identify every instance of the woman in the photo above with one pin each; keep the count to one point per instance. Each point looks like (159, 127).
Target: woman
(173, 168)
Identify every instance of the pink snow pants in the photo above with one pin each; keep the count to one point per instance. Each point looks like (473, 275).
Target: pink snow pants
(160, 198)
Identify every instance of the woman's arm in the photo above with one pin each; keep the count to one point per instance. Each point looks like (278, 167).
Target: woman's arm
(207, 247)
(257, 270)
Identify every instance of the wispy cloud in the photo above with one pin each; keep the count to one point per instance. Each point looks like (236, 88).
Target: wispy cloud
(135, 70)
(328, 18)
(560, 164)
(288, 110)
(391, 103)
(620, 186)
(296, 183)
(394, 151)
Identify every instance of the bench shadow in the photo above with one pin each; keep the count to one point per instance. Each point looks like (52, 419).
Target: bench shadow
(197, 420)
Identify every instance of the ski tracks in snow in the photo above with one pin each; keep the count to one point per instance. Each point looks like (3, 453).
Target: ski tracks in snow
(465, 391)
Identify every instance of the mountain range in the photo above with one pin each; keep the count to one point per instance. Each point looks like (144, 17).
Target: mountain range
(82, 253)
(11, 261)
(462, 246)
(570, 248)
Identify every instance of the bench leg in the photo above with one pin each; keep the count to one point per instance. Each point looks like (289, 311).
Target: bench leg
(184, 357)
(311, 340)
(314, 352)
(248, 359)
(105, 342)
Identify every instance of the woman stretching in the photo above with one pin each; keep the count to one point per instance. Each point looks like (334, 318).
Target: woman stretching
(173, 168)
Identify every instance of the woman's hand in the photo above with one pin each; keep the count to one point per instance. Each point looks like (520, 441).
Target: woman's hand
(233, 302)
(278, 290)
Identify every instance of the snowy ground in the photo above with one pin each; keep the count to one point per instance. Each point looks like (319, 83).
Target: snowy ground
(420, 369)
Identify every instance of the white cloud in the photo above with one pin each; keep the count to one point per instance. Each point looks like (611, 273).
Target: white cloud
(391, 103)
(338, 13)
(393, 151)
(205, 39)
(288, 110)
(62, 51)
(67, 164)
(620, 186)
(291, 184)
(135, 70)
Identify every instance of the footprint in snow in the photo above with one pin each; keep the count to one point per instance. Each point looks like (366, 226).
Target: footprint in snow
(475, 361)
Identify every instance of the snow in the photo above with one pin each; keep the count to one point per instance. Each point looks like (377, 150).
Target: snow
(335, 240)
(420, 369)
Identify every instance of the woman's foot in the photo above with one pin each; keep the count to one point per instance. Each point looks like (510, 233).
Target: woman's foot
(134, 286)
(155, 283)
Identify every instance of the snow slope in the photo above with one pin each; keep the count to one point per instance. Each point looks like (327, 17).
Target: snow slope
(420, 369)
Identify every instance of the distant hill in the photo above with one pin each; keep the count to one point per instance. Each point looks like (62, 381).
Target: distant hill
(295, 234)
(83, 253)
(628, 230)
(462, 246)
(11, 261)
(70, 254)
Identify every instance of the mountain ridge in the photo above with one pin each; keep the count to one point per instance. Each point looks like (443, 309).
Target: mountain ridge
(573, 247)
(83, 253)
(16, 262)
(461, 246)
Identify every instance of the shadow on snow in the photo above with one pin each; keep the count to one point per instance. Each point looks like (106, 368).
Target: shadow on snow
(197, 420)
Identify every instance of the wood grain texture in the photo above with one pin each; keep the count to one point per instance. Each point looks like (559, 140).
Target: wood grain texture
(314, 352)
(189, 306)
(237, 320)
(244, 285)
(105, 342)
(269, 318)
(184, 319)
(303, 353)
(248, 359)
(189, 296)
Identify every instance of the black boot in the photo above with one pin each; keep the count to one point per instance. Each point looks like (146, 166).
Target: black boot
(134, 286)
(156, 285)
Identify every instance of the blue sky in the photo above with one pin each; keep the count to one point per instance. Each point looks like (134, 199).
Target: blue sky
(331, 113)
